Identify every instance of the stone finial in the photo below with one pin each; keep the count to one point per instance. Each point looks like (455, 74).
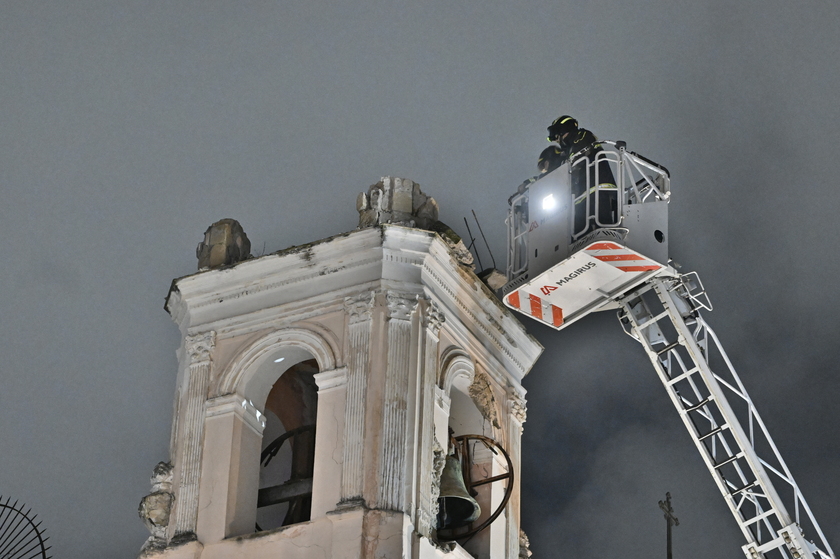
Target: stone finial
(224, 243)
(156, 507)
(398, 201)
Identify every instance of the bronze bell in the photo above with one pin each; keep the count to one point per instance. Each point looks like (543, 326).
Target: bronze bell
(456, 507)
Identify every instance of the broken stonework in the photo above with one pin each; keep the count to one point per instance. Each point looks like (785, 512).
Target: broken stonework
(451, 238)
(437, 470)
(401, 202)
(224, 243)
(156, 506)
(493, 278)
(397, 201)
(524, 546)
(482, 396)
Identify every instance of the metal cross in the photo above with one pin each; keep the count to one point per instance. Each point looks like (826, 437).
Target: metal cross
(669, 518)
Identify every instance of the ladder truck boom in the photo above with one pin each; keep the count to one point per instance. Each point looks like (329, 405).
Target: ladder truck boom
(577, 244)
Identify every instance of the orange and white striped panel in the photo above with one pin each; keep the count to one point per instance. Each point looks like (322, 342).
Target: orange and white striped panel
(621, 257)
(536, 307)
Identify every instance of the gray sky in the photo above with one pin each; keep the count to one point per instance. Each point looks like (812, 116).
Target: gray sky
(127, 128)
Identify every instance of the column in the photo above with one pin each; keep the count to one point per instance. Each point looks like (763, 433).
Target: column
(428, 476)
(230, 469)
(517, 410)
(199, 349)
(359, 311)
(392, 455)
(329, 441)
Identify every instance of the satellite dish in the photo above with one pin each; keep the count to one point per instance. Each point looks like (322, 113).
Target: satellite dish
(20, 535)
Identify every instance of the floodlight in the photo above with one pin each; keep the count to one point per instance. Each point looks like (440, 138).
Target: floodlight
(549, 203)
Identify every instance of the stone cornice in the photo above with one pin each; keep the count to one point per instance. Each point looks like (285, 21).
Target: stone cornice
(321, 274)
(278, 278)
(459, 291)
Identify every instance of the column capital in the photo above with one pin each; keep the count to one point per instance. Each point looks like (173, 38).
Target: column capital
(200, 346)
(401, 305)
(434, 318)
(327, 380)
(518, 406)
(359, 307)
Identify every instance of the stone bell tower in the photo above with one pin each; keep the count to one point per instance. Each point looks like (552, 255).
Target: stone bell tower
(317, 388)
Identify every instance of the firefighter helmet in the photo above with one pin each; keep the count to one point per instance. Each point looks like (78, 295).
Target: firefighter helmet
(561, 129)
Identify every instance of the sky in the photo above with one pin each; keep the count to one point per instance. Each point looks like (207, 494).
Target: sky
(127, 128)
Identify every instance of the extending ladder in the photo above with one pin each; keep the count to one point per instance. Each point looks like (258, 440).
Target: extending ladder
(663, 314)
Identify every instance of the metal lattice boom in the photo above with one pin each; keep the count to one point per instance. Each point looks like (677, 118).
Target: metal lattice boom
(664, 316)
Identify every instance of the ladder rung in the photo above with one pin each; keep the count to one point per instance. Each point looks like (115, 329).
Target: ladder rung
(713, 432)
(667, 348)
(686, 374)
(698, 405)
(761, 516)
(653, 320)
(728, 460)
(744, 488)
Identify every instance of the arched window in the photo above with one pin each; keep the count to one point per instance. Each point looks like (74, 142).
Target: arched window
(288, 448)
(473, 411)
(264, 392)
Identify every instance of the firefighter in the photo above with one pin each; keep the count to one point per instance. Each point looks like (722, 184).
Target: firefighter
(600, 186)
(603, 195)
(583, 142)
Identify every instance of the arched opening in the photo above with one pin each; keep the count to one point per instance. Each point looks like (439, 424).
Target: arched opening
(464, 416)
(473, 411)
(236, 431)
(287, 455)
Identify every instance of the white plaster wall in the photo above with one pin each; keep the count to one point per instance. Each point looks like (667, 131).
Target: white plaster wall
(329, 441)
(230, 477)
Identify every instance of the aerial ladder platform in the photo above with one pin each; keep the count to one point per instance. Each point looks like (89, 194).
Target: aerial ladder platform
(592, 235)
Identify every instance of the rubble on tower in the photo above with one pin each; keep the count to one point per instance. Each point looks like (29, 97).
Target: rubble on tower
(398, 201)
(401, 202)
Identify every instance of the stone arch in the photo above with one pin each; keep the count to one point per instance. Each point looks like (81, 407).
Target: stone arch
(474, 410)
(234, 439)
(458, 373)
(243, 374)
(456, 366)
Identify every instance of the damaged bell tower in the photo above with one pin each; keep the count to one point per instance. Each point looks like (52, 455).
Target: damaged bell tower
(323, 391)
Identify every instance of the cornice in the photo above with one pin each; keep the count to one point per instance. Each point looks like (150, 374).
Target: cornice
(303, 280)
(493, 323)
(266, 279)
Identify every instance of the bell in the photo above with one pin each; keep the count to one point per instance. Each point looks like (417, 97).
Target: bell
(456, 507)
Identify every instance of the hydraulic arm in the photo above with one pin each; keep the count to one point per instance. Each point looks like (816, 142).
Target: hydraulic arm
(664, 316)
(566, 260)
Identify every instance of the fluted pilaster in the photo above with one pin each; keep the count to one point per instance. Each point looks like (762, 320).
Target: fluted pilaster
(199, 348)
(392, 456)
(359, 310)
(427, 488)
